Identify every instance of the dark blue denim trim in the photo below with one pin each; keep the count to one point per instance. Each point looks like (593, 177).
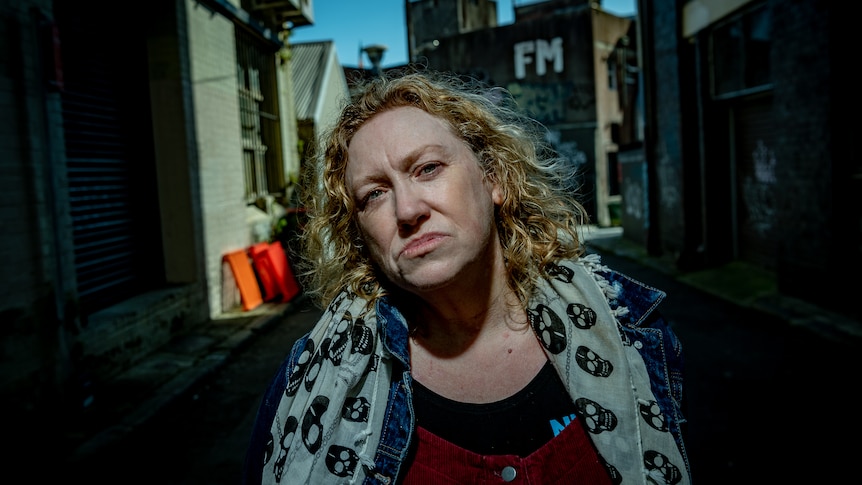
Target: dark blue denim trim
(659, 346)
(398, 426)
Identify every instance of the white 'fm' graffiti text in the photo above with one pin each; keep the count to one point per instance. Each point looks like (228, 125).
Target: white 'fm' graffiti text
(541, 52)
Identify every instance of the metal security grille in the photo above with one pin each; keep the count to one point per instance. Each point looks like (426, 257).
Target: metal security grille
(109, 163)
(258, 104)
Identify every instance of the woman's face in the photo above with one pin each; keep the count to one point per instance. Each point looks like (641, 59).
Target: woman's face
(424, 208)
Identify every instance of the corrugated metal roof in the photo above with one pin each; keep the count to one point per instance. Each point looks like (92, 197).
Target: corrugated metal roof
(309, 67)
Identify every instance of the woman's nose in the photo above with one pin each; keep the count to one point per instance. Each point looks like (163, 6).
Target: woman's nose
(410, 207)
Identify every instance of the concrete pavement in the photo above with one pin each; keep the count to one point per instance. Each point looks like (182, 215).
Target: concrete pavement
(738, 283)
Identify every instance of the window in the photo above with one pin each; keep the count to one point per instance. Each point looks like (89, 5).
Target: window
(259, 117)
(612, 71)
(740, 54)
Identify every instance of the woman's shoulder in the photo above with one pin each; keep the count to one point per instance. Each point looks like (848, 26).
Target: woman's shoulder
(630, 299)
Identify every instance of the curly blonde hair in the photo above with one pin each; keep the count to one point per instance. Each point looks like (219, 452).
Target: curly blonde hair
(537, 221)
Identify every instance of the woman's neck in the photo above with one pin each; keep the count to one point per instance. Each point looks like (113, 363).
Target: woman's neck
(454, 353)
(450, 326)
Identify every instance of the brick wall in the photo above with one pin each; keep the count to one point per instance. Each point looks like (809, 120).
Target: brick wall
(219, 146)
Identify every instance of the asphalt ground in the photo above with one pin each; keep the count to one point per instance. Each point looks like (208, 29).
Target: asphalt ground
(769, 398)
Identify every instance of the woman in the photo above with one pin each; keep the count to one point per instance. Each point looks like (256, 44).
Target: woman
(467, 338)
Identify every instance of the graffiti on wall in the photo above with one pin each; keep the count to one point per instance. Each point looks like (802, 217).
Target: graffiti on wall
(634, 196)
(539, 53)
(758, 189)
(548, 103)
(568, 150)
(669, 180)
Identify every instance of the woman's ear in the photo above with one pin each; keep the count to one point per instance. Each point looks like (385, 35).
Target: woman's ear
(496, 193)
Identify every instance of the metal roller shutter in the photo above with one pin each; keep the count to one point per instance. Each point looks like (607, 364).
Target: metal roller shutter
(109, 161)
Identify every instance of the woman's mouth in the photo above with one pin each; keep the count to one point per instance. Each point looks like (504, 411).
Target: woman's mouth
(422, 245)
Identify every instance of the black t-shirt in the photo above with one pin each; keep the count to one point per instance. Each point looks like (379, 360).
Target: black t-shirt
(517, 425)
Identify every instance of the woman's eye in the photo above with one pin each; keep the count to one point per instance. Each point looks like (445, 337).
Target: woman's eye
(428, 168)
(371, 196)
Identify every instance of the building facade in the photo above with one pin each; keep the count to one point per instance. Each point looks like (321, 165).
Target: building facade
(748, 149)
(561, 61)
(320, 88)
(135, 156)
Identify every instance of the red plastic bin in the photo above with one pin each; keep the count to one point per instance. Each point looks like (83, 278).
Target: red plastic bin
(274, 271)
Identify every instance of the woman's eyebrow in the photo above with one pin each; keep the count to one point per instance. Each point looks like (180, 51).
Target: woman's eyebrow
(414, 155)
(405, 161)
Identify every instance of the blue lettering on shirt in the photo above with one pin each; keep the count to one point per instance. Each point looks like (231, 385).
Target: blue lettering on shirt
(557, 426)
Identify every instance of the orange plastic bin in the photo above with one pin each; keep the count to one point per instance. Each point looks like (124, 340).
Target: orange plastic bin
(243, 273)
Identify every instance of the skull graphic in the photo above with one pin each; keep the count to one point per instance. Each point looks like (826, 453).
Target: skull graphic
(582, 316)
(660, 469)
(336, 302)
(312, 423)
(298, 371)
(341, 461)
(592, 363)
(549, 327)
(561, 273)
(356, 409)
(360, 337)
(337, 344)
(651, 413)
(286, 439)
(596, 418)
(616, 477)
(315, 365)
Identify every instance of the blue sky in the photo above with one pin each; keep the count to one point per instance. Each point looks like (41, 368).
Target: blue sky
(353, 24)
